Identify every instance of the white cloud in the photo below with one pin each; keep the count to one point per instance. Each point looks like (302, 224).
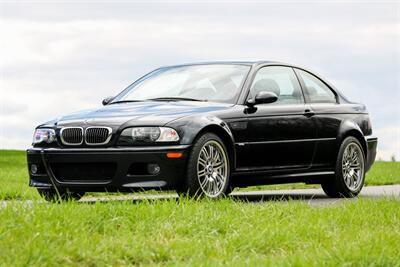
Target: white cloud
(51, 65)
(388, 143)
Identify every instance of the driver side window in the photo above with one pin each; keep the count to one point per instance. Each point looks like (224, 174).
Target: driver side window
(280, 80)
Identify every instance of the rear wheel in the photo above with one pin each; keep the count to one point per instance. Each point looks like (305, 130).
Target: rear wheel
(208, 168)
(349, 171)
(52, 196)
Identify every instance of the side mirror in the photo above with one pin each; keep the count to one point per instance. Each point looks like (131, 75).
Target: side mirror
(107, 100)
(263, 97)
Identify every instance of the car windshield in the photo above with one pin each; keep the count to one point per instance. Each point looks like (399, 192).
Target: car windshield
(216, 83)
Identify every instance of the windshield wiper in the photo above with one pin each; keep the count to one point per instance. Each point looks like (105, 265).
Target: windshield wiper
(174, 99)
(125, 101)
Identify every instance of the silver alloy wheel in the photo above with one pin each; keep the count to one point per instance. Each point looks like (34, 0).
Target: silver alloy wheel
(353, 166)
(212, 168)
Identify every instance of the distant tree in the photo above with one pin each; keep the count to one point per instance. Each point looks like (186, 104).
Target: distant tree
(393, 158)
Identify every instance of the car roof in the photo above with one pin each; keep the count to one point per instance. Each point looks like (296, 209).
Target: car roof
(249, 63)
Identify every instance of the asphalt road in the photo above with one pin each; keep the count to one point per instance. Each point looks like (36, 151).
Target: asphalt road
(317, 196)
(314, 197)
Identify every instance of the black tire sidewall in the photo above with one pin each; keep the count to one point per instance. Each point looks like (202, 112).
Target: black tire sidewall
(339, 179)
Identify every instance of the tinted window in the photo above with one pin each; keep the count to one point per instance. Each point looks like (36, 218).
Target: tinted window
(316, 91)
(280, 80)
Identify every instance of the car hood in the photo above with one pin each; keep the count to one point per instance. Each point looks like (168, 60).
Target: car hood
(139, 113)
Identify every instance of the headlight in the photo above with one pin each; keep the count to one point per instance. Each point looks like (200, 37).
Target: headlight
(44, 135)
(149, 134)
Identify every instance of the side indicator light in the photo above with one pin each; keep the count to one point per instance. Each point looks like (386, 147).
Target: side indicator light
(174, 155)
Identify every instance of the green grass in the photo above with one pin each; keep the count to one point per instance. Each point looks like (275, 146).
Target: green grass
(230, 232)
(14, 176)
(383, 173)
(363, 232)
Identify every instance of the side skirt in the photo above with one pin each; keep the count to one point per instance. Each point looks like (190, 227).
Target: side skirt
(243, 179)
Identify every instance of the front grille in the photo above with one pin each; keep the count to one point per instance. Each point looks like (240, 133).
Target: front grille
(72, 136)
(88, 171)
(97, 135)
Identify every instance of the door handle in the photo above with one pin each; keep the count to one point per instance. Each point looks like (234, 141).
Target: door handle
(308, 113)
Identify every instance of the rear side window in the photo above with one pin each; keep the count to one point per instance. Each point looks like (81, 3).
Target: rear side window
(315, 90)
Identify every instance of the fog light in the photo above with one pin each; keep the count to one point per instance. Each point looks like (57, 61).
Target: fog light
(34, 168)
(153, 168)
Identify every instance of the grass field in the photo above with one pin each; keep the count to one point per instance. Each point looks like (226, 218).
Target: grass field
(230, 232)
(14, 176)
(362, 232)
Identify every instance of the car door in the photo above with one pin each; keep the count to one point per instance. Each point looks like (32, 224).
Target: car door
(324, 102)
(280, 134)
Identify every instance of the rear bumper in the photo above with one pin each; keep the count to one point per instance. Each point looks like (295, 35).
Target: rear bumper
(106, 169)
(372, 143)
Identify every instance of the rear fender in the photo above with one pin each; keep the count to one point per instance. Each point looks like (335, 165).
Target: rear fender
(350, 128)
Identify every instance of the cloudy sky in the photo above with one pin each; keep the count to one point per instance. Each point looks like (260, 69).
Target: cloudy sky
(60, 57)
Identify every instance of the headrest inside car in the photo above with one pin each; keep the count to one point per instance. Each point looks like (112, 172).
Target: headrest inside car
(266, 85)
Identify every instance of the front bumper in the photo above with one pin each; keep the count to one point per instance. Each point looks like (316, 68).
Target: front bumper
(372, 143)
(106, 169)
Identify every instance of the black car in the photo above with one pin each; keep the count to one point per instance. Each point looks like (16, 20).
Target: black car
(204, 129)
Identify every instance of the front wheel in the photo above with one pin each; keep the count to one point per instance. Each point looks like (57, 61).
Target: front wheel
(349, 171)
(208, 168)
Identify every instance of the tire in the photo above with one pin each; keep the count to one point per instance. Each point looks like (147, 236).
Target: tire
(349, 171)
(208, 169)
(52, 196)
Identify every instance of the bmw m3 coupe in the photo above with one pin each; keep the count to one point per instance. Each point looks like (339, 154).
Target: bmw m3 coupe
(204, 129)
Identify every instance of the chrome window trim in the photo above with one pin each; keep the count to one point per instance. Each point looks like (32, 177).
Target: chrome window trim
(71, 144)
(99, 127)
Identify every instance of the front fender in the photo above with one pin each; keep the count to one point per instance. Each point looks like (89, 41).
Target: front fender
(190, 128)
